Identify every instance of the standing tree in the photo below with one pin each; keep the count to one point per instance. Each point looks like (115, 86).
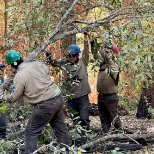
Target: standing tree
(146, 100)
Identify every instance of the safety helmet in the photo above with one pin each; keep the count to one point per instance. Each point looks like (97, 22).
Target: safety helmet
(11, 56)
(114, 48)
(73, 49)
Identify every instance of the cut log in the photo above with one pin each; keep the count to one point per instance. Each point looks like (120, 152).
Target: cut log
(131, 137)
(101, 148)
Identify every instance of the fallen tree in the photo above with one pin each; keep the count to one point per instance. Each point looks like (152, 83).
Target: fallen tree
(121, 141)
(129, 137)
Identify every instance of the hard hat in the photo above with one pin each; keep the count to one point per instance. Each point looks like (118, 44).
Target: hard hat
(114, 48)
(73, 49)
(11, 56)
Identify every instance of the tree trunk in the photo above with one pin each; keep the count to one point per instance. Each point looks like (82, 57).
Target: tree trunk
(5, 18)
(146, 100)
(68, 40)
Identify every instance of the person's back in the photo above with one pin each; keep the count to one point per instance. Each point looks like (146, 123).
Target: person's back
(34, 78)
(104, 78)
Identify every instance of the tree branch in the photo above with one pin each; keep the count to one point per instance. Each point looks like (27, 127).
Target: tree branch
(118, 136)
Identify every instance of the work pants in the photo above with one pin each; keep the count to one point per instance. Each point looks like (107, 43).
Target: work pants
(49, 111)
(107, 106)
(3, 126)
(79, 107)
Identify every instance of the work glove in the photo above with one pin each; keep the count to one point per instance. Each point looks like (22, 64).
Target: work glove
(95, 46)
(6, 95)
(86, 31)
(50, 58)
(3, 97)
(93, 42)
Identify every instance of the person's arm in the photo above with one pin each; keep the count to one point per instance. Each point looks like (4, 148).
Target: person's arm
(85, 52)
(55, 62)
(17, 91)
(95, 47)
(103, 55)
(107, 56)
(58, 63)
(113, 68)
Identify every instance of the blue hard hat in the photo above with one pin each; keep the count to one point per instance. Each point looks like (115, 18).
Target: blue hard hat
(73, 49)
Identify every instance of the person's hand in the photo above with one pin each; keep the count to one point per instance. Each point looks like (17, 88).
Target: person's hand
(93, 42)
(107, 50)
(5, 96)
(48, 56)
(1, 99)
(85, 33)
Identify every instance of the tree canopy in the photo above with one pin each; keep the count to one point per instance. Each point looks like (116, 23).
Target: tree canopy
(32, 26)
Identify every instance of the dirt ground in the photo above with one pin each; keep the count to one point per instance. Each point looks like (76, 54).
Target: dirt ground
(138, 126)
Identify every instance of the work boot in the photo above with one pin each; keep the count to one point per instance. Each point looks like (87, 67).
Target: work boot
(80, 141)
(105, 128)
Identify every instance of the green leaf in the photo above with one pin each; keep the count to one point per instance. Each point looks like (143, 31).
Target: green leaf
(3, 108)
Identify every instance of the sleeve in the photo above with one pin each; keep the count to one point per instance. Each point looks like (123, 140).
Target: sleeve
(17, 90)
(85, 52)
(58, 63)
(95, 47)
(107, 57)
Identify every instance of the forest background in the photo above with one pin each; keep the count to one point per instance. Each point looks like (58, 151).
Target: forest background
(32, 27)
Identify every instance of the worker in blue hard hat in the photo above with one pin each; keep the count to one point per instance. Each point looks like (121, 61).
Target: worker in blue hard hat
(76, 81)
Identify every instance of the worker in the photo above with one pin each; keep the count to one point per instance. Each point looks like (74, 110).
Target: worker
(76, 81)
(33, 83)
(107, 85)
